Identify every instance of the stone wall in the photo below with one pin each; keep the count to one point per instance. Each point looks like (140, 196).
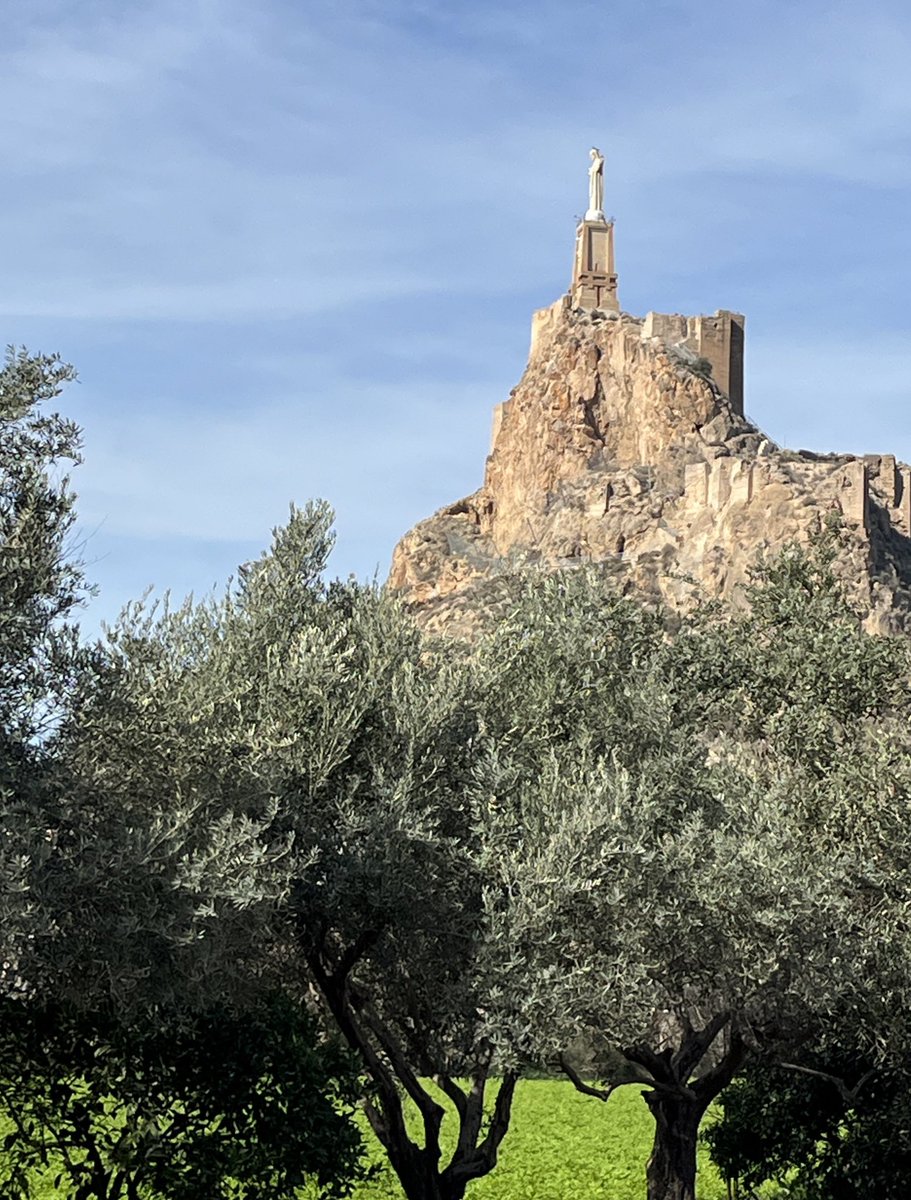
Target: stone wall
(890, 483)
(730, 480)
(719, 339)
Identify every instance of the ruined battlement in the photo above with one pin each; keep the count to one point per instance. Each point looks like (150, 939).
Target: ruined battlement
(718, 339)
(849, 485)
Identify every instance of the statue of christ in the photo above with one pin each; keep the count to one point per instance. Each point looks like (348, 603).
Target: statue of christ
(595, 186)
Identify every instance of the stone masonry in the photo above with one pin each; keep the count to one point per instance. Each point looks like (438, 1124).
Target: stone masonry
(594, 282)
(717, 339)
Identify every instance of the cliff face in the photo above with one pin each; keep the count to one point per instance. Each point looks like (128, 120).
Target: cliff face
(617, 448)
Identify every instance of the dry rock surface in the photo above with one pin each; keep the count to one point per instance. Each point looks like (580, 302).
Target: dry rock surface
(617, 448)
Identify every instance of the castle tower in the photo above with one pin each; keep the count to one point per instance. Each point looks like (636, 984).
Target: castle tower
(720, 340)
(594, 282)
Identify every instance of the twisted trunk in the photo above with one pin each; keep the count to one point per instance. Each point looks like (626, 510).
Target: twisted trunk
(678, 1096)
(671, 1171)
(391, 1066)
(420, 1182)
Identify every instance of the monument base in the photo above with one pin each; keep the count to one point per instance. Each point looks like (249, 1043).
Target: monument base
(594, 282)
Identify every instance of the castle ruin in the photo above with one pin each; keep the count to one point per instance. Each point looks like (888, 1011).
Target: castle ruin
(626, 444)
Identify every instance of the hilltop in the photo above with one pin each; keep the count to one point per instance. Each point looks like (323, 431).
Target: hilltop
(625, 444)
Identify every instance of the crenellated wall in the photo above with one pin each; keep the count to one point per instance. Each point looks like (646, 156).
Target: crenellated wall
(851, 484)
(719, 339)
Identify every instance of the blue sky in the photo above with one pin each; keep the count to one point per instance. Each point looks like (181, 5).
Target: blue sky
(293, 248)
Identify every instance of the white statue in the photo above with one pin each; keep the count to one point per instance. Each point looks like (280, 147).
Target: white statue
(595, 186)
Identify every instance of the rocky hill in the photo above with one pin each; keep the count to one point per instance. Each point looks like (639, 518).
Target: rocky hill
(617, 447)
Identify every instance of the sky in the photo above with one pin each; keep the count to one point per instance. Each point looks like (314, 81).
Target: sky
(292, 247)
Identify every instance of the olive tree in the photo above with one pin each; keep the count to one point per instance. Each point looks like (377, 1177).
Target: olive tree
(581, 831)
(304, 770)
(41, 585)
(691, 874)
(40, 581)
(108, 893)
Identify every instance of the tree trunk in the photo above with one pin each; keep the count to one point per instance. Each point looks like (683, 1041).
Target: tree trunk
(428, 1184)
(671, 1171)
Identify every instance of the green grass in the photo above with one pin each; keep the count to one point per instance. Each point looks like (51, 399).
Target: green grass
(561, 1146)
(565, 1146)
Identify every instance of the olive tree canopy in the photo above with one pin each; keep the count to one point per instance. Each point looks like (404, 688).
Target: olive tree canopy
(703, 836)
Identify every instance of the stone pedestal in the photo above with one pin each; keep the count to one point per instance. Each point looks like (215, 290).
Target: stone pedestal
(594, 278)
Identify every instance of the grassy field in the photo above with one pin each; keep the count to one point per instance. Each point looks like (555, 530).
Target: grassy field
(562, 1146)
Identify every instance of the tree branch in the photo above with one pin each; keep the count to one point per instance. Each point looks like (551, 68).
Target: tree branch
(707, 1086)
(429, 1109)
(848, 1094)
(645, 1056)
(470, 1126)
(659, 1076)
(391, 1132)
(499, 1122)
(696, 1044)
(453, 1092)
(484, 1158)
(579, 1083)
(364, 940)
(431, 1112)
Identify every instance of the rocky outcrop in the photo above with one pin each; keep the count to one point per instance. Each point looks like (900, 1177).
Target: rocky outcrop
(617, 447)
